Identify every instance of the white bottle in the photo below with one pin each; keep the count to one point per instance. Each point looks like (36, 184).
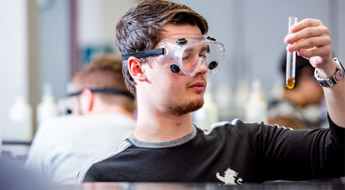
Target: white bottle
(47, 108)
(256, 107)
(241, 98)
(20, 128)
(208, 114)
(224, 102)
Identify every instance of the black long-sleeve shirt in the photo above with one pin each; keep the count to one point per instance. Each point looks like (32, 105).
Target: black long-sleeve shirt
(230, 153)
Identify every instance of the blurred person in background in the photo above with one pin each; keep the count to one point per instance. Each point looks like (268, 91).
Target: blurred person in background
(102, 117)
(303, 106)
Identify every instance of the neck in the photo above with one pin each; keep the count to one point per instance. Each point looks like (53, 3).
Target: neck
(115, 109)
(159, 127)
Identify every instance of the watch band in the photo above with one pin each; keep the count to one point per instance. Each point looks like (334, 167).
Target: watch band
(334, 79)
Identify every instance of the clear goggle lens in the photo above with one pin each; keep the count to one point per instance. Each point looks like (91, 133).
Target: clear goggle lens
(209, 53)
(190, 56)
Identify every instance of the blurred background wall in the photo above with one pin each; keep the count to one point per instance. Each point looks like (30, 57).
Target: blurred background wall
(47, 41)
(253, 33)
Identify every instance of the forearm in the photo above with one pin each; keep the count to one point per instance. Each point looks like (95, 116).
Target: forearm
(334, 95)
(335, 100)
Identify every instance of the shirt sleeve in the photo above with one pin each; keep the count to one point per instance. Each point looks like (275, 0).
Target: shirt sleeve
(337, 135)
(288, 154)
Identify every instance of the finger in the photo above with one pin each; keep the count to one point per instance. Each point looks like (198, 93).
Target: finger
(323, 51)
(310, 42)
(306, 33)
(304, 24)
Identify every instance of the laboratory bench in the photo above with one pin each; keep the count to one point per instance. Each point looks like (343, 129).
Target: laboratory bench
(17, 150)
(204, 186)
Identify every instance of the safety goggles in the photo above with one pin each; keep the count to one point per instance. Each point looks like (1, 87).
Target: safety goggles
(65, 104)
(189, 54)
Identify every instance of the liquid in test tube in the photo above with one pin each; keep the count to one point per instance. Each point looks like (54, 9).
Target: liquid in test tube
(290, 61)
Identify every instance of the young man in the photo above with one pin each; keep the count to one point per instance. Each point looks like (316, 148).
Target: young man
(166, 60)
(101, 120)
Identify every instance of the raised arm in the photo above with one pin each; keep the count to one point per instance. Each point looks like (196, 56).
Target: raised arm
(310, 38)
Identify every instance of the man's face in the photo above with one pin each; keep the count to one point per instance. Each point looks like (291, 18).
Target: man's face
(174, 93)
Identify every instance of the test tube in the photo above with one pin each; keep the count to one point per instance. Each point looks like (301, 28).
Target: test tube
(290, 61)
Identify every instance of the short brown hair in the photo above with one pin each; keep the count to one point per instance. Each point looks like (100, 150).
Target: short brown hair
(103, 72)
(139, 29)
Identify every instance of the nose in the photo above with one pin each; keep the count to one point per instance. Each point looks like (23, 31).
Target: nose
(202, 67)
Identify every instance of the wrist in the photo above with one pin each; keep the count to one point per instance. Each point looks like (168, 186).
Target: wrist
(328, 71)
(328, 78)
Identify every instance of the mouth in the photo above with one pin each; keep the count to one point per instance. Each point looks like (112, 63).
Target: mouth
(198, 86)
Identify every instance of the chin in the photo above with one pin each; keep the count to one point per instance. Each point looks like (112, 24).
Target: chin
(184, 108)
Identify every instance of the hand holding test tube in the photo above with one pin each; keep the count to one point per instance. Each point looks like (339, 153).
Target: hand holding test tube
(290, 61)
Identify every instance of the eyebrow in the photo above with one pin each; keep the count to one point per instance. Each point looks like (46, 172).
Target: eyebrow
(204, 48)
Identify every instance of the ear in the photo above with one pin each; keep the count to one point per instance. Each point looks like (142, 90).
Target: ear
(136, 69)
(87, 100)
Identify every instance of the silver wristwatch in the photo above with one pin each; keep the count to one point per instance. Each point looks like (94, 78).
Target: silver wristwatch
(334, 79)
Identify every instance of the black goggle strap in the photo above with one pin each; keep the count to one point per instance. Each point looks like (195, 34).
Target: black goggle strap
(105, 91)
(143, 54)
(211, 39)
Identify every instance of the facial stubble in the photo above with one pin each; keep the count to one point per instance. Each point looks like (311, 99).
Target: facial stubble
(184, 108)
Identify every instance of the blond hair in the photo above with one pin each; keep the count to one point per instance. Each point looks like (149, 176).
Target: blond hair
(104, 72)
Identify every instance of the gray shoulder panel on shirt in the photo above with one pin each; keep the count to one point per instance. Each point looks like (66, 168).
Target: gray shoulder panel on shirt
(83, 172)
